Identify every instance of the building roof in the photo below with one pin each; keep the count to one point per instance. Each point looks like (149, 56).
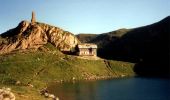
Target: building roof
(87, 45)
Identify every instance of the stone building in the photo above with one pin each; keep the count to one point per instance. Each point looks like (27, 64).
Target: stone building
(86, 49)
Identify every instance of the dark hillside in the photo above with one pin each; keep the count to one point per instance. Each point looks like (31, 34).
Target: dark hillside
(148, 46)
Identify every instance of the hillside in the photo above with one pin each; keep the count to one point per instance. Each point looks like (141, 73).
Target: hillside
(102, 39)
(27, 72)
(31, 57)
(52, 65)
(148, 46)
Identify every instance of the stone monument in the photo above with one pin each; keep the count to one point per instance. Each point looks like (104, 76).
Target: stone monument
(33, 20)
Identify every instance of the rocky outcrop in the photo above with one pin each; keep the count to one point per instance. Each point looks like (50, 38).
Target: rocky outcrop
(6, 94)
(33, 36)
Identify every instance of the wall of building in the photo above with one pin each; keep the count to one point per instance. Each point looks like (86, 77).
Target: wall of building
(87, 52)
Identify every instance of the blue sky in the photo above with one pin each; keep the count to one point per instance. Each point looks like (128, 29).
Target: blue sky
(84, 16)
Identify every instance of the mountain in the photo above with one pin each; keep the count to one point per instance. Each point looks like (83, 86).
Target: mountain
(30, 59)
(34, 35)
(148, 46)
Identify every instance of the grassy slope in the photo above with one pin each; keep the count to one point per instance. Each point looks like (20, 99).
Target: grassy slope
(49, 65)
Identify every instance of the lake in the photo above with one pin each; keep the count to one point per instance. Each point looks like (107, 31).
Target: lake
(136, 88)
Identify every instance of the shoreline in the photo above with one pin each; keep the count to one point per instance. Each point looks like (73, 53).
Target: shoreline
(93, 79)
(35, 92)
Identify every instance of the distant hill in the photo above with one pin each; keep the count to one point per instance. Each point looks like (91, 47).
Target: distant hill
(148, 46)
(102, 39)
(32, 36)
(85, 38)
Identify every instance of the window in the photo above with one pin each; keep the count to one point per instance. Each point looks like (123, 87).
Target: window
(90, 51)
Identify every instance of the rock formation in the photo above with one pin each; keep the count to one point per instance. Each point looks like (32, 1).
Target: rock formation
(32, 36)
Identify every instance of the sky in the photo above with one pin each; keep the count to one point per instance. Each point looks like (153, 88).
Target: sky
(84, 16)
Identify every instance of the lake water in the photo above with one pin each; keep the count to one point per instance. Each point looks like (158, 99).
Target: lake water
(116, 89)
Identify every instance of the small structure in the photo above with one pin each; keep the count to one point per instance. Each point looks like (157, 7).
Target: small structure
(86, 49)
(33, 20)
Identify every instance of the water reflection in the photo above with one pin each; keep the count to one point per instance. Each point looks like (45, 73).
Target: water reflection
(75, 91)
(116, 89)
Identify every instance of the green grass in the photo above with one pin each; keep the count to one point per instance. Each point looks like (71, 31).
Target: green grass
(43, 67)
(122, 68)
(25, 93)
(49, 65)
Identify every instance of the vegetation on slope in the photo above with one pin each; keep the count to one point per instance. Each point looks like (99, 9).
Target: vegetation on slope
(42, 67)
(148, 46)
(21, 69)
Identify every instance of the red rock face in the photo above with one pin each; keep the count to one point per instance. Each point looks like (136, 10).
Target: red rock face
(33, 36)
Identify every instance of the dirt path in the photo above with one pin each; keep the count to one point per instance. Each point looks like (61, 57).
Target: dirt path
(107, 63)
